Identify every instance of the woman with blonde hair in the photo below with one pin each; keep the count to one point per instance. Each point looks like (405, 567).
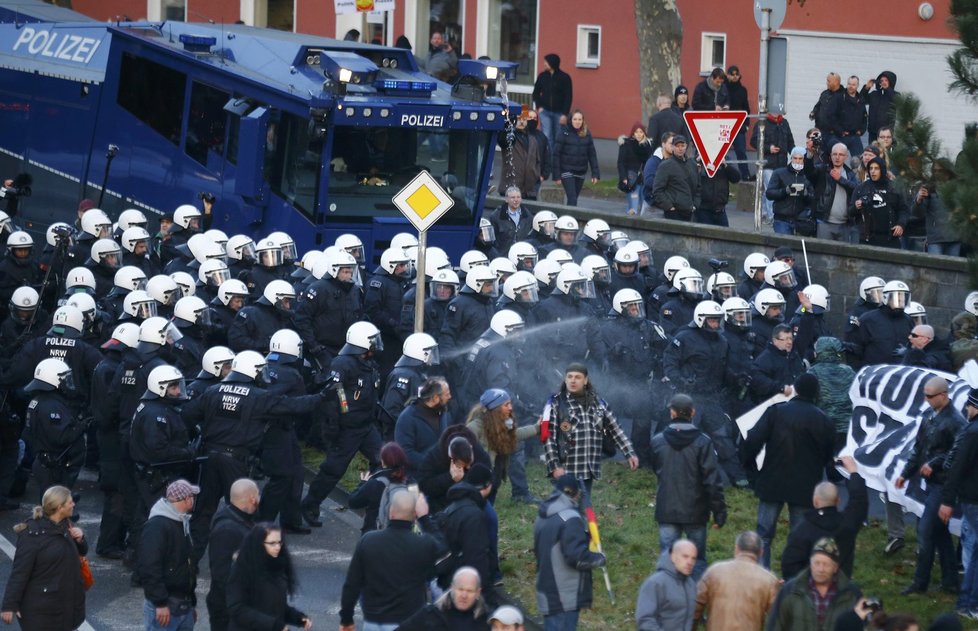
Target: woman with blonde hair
(45, 589)
(492, 422)
(573, 154)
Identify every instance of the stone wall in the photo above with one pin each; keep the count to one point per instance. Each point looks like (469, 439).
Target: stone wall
(940, 283)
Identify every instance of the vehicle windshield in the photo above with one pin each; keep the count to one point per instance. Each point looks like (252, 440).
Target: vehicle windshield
(370, 166)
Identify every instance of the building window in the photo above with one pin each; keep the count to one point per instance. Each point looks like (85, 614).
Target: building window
(713, 52)
(513, 36)
(175, 10)
(588, 46)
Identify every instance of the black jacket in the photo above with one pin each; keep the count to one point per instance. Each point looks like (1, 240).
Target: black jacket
(715, 191)
(165, 564)
(777, 132)
(739, 99)
(157, 433)
(677, 185)
(706, 98)
(881, 336)
(417, 430)
(382, 302)
(632, 155)
(883, 207)
(554, 92)
(788, 202)
(826, 185)
(696, 360)
(442, 615)
(880, 103)
(260, 602)
(851, 116)
(800, 443)
(961, 483)
(507, 232)
(826, 111)
(669, 119)
(690, 486)
(773, 370)
(574, 153)
(434, 477)
(389, 574)
(324, 312)
(228, 530)
(467, 317)
(45, 583)
(843, 526)
(465, 527)
(254, 325)
(933, 444)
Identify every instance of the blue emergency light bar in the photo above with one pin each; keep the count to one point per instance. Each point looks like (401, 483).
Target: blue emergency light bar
(405, 87)
(487, 69)
(197, 43)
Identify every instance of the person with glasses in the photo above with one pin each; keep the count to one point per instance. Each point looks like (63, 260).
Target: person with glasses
(262, 581)
(939, 426)
(924, 352)
(777, 367)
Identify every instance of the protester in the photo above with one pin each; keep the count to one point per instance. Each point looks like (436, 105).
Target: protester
(232, 523)
(737, 591)
(667, 598)
(377, 486)
(633, 151)
(461, 608)
(573, 155)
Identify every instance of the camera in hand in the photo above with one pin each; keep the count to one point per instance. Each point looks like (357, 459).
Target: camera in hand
(718, 265)
(20, 187)
(206, 197)
(816, 139)
(797, 189)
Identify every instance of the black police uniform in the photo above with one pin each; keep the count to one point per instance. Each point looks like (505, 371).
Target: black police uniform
(763, 329)
(466, 318)
(80, 252)
(281, 458)
(541, 242)
(216, 321)
(258, 276)
(526, 310)
(254, 325)
(14, 273)
(178, 235)
(382, 306)
(203, 381)
(883, 336)
(621, 281)
(145, 262)
(743, 349)
(104, 277)
(749, 287)
(14, 332)
(655, 300)
(189, 349)
(851, 332)
(112, 529)
(56, 435)
(696, 361)
(571, 320)
(80, 356)
(325, 310)
(588, 246)
(677, 311)
(352, 431)
(233, 417)
(113, 303)
(435, 312)
(401, 386)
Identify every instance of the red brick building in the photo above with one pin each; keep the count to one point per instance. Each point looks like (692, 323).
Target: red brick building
(598, 44)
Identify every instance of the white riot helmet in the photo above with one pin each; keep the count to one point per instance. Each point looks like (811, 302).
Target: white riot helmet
(139, 305)
(572, 281)
(566, 228)
(126, 334)
(405, 242)
(629, 303)
(352, 245)
(186, 312)
(246, 367)
(561, 256)
(421, 347)
(85, 304)
(68, 321)
(96, 223)
(626, 258)
(214, 361)
(233, 288)
(544, 223)
(240, 247)
(80, 279)
(767, 298)
(287, 245)
(523, 254)
(362, 337)
(132, 236)
(336, 261)
(708, 310)
(268, 253)
(20, 240)
(546, 272)
(917, 313)
(131, 218)
(163, 289)
(487, 233)
(618, 239)
(472, 258)
(644, 252)
(278, 294)
(755, 261)
(482, 280)
(596, 268)
(24, 302)
(871, 289)
(896, 295)
(59, 232)
(161, 379)
(737, 312)
(186, 216)
(506, 322)
(688, 281)
(306, 264)
(392, 258)
(107, 253)
(721, 286)
(780, 274)
(672, 265)
(522, 287)
(819, 295)
(503, 268)
(185, 283)
(51, 374)
(217, 236)
(971, 303)
(286, 342)
(443, 285)
(599, 231)
(155, 333)
(201, 248)
(213, 273)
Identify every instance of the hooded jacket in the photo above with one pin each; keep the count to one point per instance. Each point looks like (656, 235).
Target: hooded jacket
(789, 203)
(834, 379)
(564, 562)
(666, 600)
(883, 206)
(553, 92)
(964, 346)
(777, 133)
(690, 485)
(165, 565)
(466, 530)
(880, 103)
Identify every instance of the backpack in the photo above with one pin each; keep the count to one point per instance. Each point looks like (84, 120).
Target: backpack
(447, 561)
(383, 509)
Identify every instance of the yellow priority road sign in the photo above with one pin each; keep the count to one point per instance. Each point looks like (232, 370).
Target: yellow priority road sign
(423, 201)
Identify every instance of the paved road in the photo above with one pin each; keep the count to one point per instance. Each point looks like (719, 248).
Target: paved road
(112, 604)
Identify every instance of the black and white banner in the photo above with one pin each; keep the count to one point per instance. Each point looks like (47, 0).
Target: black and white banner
(887, 403)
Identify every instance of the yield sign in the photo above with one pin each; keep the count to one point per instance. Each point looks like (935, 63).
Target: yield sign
(713, 133)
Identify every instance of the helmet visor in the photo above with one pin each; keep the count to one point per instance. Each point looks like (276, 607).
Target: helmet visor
(634, 310)
(218, 276)
(289, 251)
(356, 252)
(786, 279)
(173, 334)
(246, 252)
(529, 294)
(376, 343)
(547, 228)
(725, 291)
(442, 291)
(270, 258)
(601, 275)
(740, 318)
(176, 390)
(146, 309)
(431, 356)
(897, 299)
(487, 234)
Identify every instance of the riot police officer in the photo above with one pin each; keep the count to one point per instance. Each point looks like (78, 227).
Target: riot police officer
(597, 269)
(25, 320)
(492, 363)
(686, 293)
(520, 294)
(350, 415)
(436, 265)
(469, 313)
(542, 237)
(768, 313)
(595, 239)
(186, 223)
(233, 416)
(781, 276)
(267, 267)
(214, 366)
(54, 428)
(95, 225)
(104, 260)
(126, 280)
(883, 333)
(419, 352)
(241, 253)
(165, 291)
(659, 295)
(189, 349)
(743, 348)
(384, 296)
(625, 270)
(568, 312)
(870, 298)
(696, 360)
(216, 320)
(18, 268)
(136, 252)
(328, 307)
(254, 325)
(97, 323)
(754, 266)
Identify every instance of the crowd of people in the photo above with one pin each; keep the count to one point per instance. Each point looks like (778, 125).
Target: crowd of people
(190, 355)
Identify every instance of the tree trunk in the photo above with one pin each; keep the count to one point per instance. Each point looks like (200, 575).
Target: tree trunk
(660, 37)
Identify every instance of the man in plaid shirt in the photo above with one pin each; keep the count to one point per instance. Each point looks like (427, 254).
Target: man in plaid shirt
(577, 419)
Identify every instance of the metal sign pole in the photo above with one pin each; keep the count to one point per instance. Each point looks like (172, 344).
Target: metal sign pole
(419, 294)
(762, 112)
